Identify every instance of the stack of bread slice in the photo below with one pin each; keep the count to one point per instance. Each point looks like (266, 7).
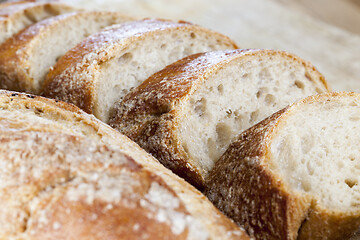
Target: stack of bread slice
(187, 114)
(100, 70)
(188, 97)
(25, 59)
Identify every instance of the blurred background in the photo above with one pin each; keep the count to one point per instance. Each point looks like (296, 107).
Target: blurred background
(325, 32)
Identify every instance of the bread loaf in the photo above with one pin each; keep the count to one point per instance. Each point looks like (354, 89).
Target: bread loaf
(66, 175)
(104, 67)
(15, 17)
(295, 175)
(187, 114)
(26, 58)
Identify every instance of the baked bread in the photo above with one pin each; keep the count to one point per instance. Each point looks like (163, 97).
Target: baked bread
(187, 114)
(15, 17)
(26, 58)
(295, 175)
(66, 175)
(104, 67)
(9, 3)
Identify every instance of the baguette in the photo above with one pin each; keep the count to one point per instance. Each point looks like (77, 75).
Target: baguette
(104, 67)
(66, 175)
(15, 17)
(295, 175)
(26, 58)
(187, 114)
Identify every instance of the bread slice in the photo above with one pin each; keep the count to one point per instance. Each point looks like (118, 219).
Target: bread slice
(295, 175)
(15, 17)
(104, 67)
(26, 58)
(187, 114)
(67, 175)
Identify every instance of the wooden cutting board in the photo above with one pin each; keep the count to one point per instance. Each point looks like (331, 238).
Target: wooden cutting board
(344, 14)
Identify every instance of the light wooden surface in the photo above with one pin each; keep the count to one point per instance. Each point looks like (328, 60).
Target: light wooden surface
(344, 14)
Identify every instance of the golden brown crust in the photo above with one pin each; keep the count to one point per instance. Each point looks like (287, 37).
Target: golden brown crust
(61, 171)
(149, 113)
(72, 169)
(73, 77)
(241, 181)
(258, 200)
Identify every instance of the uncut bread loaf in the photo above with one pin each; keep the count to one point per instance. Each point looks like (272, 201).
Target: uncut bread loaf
(187, 114)
(15, 17)
(26, 58)
(104, 67)
(295, 175)
(66, 175)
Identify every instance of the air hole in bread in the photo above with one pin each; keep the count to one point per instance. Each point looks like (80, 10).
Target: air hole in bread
(229, 113)
(308, 76)
(351, 183)
(306, 186)
(211, 147)
(162, 46)
(51, 10)
(200, 107)
(254, 116)
(30, 15)
(340, 165)
(299, 84)
(125, 58)
(192, 35)
(258, 94)
(270, 99)
(264, 74)
(186, 148)
(223, 133)
(221, 89)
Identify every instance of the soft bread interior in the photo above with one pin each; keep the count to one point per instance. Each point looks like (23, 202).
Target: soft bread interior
(63, 33)
(237, 97)
(315, 150)
(145, 57)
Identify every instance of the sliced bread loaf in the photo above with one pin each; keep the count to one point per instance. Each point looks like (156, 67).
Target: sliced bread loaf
(15, 17)
(296, 174)
(104, 67)
(26, 58)
(66, 175)
(187, 114)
